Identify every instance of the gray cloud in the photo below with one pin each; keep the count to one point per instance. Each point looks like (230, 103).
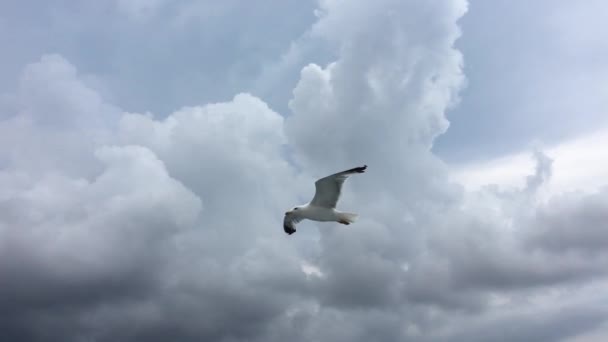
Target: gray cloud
(573, 223)
(541, 325)
(542, 172)
(123, 226)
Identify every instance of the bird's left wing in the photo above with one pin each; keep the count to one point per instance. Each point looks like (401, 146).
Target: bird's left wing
(328, 188)
(289, 223)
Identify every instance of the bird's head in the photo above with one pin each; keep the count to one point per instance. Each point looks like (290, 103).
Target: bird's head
(294, 209)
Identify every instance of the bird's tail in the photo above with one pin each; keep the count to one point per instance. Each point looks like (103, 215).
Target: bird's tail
(348, 218)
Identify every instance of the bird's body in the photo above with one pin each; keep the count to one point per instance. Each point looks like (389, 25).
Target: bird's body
(322, 207)
(322, 214)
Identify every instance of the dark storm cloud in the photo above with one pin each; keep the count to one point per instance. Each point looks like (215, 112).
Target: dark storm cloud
(541, 325)
(573, 223)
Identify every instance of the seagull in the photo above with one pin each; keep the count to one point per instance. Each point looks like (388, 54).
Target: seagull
(322, 208)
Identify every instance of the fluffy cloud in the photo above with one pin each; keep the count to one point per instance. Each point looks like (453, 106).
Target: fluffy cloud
(122, 226)
(191, 194)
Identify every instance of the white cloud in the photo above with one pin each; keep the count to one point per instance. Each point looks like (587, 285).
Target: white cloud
(578, 165)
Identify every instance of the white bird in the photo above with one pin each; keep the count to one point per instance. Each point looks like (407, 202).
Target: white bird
(323, 205)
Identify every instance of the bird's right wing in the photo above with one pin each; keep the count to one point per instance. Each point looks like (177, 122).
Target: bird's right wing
(289, 223)
(328, 188)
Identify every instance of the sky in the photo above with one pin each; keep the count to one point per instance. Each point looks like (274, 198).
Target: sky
(149, 149)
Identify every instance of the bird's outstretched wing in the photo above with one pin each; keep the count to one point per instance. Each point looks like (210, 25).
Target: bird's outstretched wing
(328, 189)
(289, 223)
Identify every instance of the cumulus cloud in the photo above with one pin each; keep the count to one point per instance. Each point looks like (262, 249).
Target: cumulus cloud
(118, 225)
(133, 232)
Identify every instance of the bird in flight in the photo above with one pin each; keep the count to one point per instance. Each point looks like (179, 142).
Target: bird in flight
(323, 205)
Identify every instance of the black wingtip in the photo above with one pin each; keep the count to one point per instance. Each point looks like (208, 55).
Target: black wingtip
(289, 230)
(359, 169)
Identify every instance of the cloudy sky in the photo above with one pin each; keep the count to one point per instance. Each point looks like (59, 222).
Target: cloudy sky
(148, 151)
